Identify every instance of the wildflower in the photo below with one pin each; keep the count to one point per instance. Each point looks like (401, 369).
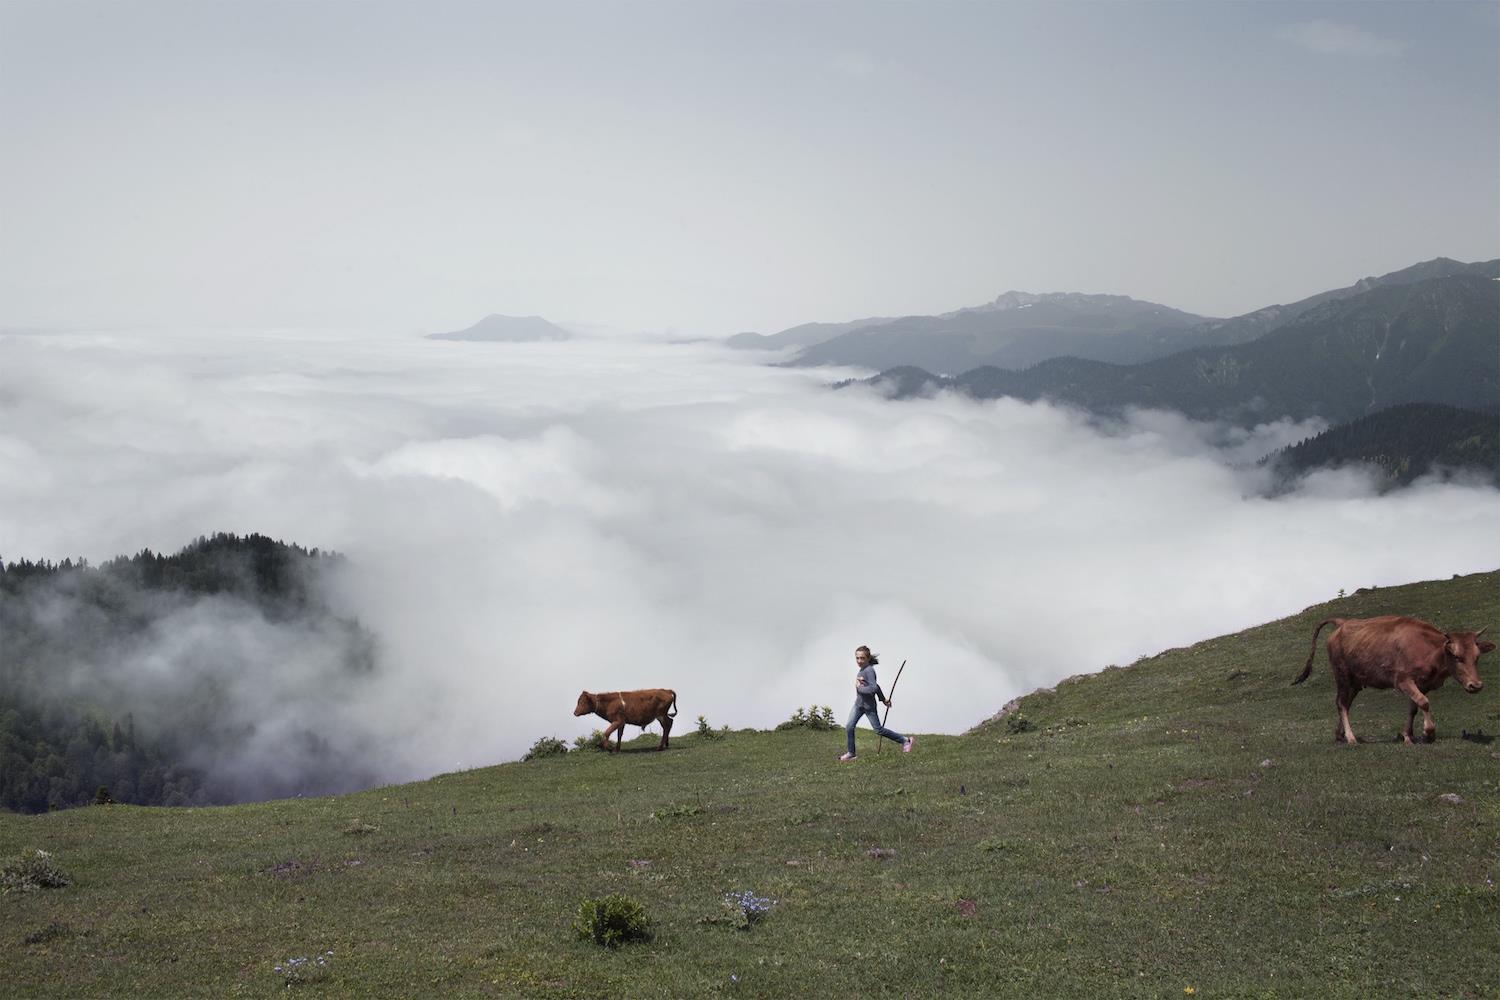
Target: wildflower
(747, 907)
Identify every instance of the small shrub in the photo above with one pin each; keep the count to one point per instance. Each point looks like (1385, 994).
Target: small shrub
(817, 717)
(675, 811)
(1018, 723)
(302, 971)
(102, 796)
(709, 732)
(612, 921)
(593, 741)
(359, 828)
(547, 746)
(31, 871)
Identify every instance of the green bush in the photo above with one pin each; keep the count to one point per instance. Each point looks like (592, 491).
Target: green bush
(709, 732)
(1018, 723)
(547, 746)
(612, 921)
(593, 741)
(31, 871)
(820, 718)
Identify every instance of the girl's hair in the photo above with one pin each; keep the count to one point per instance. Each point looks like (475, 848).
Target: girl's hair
(866, 650)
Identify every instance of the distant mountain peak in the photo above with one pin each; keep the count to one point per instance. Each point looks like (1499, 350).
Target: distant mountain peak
(1013, 299)
(498, 328)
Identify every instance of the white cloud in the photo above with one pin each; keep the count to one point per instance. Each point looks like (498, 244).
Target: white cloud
(523, 521)
(1339, 38)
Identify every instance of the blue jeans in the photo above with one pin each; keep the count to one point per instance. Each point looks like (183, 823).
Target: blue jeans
(873, 714)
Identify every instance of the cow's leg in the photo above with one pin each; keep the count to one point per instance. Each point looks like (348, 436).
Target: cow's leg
(1411, 716)
(1343, 697)
(1419, 701)
(613, 728)
(666, 729)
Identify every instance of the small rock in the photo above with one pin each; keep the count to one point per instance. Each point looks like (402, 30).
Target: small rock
(1451, 798)
(1266, 762)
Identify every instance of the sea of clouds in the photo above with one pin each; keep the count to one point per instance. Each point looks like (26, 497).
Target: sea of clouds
(525, 521)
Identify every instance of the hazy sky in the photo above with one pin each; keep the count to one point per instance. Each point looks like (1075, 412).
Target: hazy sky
(525, 521)
(708, 167)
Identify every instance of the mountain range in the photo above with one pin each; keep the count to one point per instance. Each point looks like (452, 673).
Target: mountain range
(1019, 329)
(1431, 341)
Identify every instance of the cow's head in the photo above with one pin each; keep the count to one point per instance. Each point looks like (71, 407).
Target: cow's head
(585, 704)
(1466, 649)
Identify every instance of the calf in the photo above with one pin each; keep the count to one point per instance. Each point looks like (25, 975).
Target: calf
(634, 708)
(1396, 652)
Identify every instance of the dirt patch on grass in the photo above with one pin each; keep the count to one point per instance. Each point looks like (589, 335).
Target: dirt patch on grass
(291, 869)
(966, 907)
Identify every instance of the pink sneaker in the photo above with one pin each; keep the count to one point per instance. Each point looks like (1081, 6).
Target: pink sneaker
(906, 747)
(845, 756)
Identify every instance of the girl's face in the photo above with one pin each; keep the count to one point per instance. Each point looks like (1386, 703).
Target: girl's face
(862, 658)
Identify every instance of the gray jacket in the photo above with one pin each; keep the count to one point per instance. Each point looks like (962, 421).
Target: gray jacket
(869, 691)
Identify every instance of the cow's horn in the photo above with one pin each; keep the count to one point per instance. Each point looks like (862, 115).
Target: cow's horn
(1481, 632)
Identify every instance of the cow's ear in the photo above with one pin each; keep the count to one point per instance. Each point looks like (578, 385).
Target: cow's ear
(1486, 647)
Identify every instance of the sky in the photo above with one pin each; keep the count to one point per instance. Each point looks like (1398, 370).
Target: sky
(525, 521)
(703, 168)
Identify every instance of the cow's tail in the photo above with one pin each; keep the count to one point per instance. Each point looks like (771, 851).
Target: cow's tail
(1313, 655)
(673, 712)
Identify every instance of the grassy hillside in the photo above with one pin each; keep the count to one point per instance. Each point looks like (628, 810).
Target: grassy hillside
(1182, 826)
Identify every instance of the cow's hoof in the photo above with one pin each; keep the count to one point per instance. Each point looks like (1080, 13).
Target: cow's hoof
(1429, 737)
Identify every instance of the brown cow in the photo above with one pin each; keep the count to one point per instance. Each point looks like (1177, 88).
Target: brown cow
(634, 708)
(1396, 652)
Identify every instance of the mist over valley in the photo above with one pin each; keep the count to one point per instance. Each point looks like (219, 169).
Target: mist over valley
(520, 521)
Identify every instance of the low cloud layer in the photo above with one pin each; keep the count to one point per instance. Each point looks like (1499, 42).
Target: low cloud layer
(525, 521)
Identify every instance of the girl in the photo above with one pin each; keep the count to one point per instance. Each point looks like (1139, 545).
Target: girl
(866, 691)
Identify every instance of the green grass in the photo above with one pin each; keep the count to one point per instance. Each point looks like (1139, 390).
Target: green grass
(1135, 843)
